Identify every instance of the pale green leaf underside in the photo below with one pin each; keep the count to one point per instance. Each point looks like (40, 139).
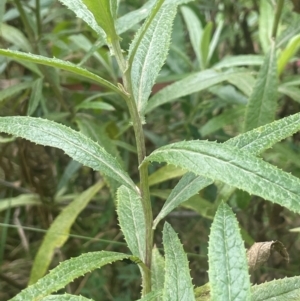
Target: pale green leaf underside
(254, 142)
(67, 271)
(132, 221)
(228, 269)
(75, 144)
(58, 232)
(178, 284)
(57, 63)
(277, 290)
(65, 297)
(157, 270)
(233, 167)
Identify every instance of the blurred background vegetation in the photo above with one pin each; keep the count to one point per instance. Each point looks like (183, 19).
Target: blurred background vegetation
(37, 182)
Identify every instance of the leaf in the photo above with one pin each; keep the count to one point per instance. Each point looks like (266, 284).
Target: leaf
(289, 51)
(215, 39)
(202, 293)
(82, 12)
(240, 60)
(67, 271)
(193, 83)
(279, 290)
(36, 95)
(95, 105)
(178, 284)
(262, 104)
(157, 270)
(75, 144)
(68, 173)
(21, 200)
(57, 63)
(233, 167)
(58, 233)
(132, 220)
(228, 270)
(254, 142)
(12, 90)
(152, 296)
(290, 91)
(205, 43)
(149, 50)
(65, 297)
(260, 252)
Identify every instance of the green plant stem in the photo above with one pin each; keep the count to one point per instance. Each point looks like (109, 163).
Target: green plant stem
(279, 8)
(143, 170)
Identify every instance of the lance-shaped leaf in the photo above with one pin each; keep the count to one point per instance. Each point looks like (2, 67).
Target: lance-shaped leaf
(12, 90)
(149, 50)
(36, 96)
(228, 269)
(279, 290)
(67, 271)
(58, 232)
(157, 270)
(262, 104)
(65, 297)
(254, 142)
(178, 284)
(193, 83)
(233, 167)
(75, 144)
(82, 12)
(132, 220)
(57, 63)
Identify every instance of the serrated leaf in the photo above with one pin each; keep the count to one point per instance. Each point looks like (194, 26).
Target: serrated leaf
(65, 297)
(228, 270)
(157, 270)
(279, 290)
(58, 233)
(75, 144)
(233, 167)
(254, 142)
(178, 284)
(193, 83)
(36, 95)
(262, 104)
(12, 90)
(57, 63)
(149, 50)
(82, 12)
(132, 220)
(67, 271)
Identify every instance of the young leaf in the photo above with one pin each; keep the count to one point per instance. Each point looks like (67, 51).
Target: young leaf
(239, 60)
(58, 232)
(66, 272)
(233, 167)
(262, 104)
(149, 50)
(132, 220)
(65, 297)
(21, 200)
(36, 95)
(157, 270)
(57, 63)
(279, 290)
(12, 90)
(178, 284)
(75, 144)
(193, 83)
(254, 142)
(204, 45)
(228, 269)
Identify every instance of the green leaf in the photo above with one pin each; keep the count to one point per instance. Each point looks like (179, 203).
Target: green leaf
(102, 14)
(152, 296)
(254, 142)
(75, 144)
(205, 43)
(2, 9)
(279, 290)
(178, 284)
(228, 269)
(194, 28)
(36, 95)
(12, 90)
(262, 104)
(233, 167)
(82, 12)
(132, 220)
(57, 63)
(157, 270)
(289, 51)
(239, 60)
(149, 50)
(67, 271)
(58, 233)
(290, 91)
(193, 83)
(215, 39)
(95, 105)
(65, 297)
(243, 82)
(21, 200)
